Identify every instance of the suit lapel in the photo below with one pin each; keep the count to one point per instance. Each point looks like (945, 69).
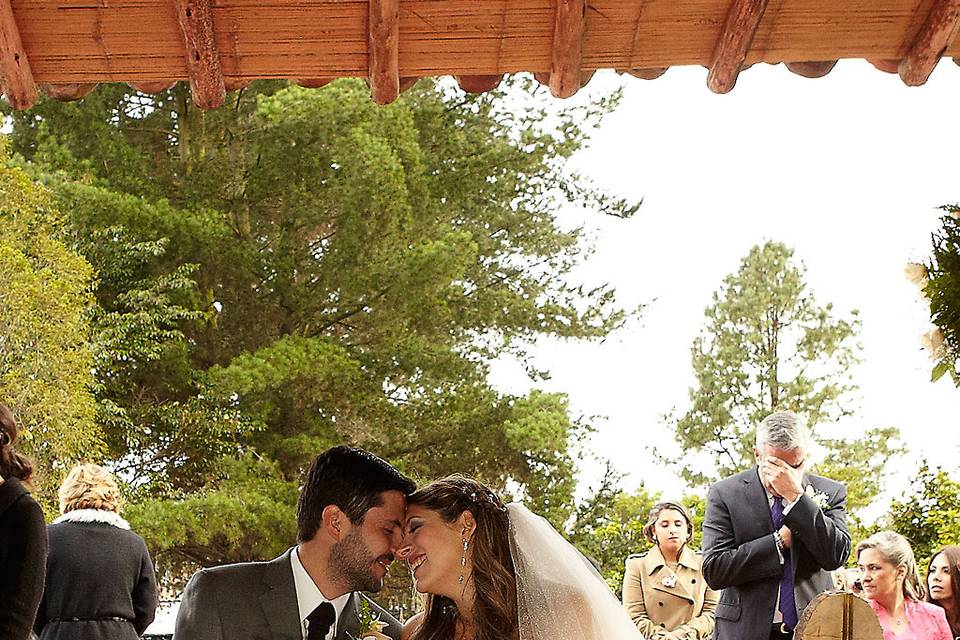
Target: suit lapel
(349, 621)
(757, 501)
(279, 601)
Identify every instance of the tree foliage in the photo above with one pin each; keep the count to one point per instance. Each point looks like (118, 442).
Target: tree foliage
(928, 514)
(305, 268)
(767, 345)
(45, 354)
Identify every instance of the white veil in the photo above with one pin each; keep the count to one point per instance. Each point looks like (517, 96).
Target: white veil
(560, 596)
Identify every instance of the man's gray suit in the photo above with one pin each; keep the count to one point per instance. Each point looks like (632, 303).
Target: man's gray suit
(740, 553)
(257, 601)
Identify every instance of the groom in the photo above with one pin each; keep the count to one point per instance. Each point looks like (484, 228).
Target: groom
(349, 521)
(771, 535)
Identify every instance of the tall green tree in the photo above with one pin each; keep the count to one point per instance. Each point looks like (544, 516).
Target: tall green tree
(45, 355)
(304, 268)
(768, 345)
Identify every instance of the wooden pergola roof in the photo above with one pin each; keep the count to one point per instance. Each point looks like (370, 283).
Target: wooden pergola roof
(66, 47)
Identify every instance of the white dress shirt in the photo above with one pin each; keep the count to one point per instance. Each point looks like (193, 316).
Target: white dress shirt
(309, 596)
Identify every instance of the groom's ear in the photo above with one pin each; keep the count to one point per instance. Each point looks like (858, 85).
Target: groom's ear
(332, 521)
(468, 523)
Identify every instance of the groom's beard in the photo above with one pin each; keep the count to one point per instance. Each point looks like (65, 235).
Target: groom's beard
(352, 561)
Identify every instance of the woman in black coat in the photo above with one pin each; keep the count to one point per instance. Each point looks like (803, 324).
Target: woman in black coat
(100, 580)
(23, 538)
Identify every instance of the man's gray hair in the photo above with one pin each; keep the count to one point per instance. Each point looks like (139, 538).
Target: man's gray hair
(783, 430)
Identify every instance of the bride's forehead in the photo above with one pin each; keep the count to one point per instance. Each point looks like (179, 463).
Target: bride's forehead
(420, 511)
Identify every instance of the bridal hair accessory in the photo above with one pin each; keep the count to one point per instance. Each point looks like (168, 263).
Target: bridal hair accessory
(485, 498)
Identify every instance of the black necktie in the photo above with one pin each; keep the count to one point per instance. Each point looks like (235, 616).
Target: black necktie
(321, 619)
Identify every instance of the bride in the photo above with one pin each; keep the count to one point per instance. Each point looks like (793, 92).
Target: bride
(495, 572)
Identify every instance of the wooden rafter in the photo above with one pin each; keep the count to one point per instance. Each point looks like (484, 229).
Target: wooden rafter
(566, 60)
(730, 52)
(478, 84)
(203, 58)
(885, 64)
(811, 69)
(67, 92)
(153, 87)
(646, 74)
(383, 50)
(17, 79)
(929, 44)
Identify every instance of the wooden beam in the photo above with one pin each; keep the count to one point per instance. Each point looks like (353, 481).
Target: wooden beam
(478, 84)
(928, 46)
(811, 69)
(314, 83)
(153, 86)
(15, 75)
(730, 52)
(203, 58)
(67, 92)
(651, 73)
(886, 65)
(569, 25)
(235, 84)
(383, 50)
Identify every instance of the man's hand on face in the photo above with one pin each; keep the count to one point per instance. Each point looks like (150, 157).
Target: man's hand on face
(784, 479)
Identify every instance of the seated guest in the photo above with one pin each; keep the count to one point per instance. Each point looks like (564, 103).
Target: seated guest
(23, 538)
(663, 590)
(892, 586)
(943, 585)
(100, 580)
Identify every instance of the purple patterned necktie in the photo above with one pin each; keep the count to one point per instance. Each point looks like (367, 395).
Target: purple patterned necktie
(788, 606)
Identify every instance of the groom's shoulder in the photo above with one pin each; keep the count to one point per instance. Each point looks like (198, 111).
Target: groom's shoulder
(235, 574)
(821, 483)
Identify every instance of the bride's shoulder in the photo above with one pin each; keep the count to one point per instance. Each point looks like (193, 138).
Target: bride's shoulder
(411, 625)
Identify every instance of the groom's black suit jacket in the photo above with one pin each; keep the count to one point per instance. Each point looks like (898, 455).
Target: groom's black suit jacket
(257, 601)
(740, 553)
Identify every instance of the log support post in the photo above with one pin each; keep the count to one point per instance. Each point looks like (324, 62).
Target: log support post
(732, 46)
(15, 75)
(383, 47)
(567, 59)
(203, 58)
(934, 37)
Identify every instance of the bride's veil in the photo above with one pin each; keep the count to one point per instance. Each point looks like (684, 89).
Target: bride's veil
(560, 596)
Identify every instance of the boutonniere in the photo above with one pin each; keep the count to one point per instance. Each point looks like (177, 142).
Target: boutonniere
(368, 619)
(819, 498)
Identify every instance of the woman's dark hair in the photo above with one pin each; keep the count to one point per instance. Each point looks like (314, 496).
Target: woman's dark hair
(12, 464)
(353, 480)
(493, 577)
(649, 528)
(952, 554)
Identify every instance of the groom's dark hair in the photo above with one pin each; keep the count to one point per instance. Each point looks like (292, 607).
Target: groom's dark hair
(353, 480)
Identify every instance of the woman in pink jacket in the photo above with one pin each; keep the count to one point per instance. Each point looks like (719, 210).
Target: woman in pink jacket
(892, 585)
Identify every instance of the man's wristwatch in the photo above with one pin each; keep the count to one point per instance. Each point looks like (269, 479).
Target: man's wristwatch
(779, 541)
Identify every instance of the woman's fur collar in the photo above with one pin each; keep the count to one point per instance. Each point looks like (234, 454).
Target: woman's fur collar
(94, 515)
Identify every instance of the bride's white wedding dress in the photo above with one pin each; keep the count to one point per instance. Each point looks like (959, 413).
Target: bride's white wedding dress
(560, 596)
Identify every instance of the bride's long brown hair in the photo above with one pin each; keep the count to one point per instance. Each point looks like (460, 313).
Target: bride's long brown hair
(492, 574)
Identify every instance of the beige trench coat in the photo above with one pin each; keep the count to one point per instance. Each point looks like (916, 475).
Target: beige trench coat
(656, 602)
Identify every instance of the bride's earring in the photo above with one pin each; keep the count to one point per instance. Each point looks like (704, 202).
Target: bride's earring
(463, 558)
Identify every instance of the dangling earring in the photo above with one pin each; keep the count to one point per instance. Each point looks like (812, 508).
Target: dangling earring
(463, 558)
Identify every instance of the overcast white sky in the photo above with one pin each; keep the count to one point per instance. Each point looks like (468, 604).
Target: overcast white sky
(847, 169)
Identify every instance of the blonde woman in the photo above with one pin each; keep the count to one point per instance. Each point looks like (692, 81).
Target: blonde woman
(100, 580)
(892, 585)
